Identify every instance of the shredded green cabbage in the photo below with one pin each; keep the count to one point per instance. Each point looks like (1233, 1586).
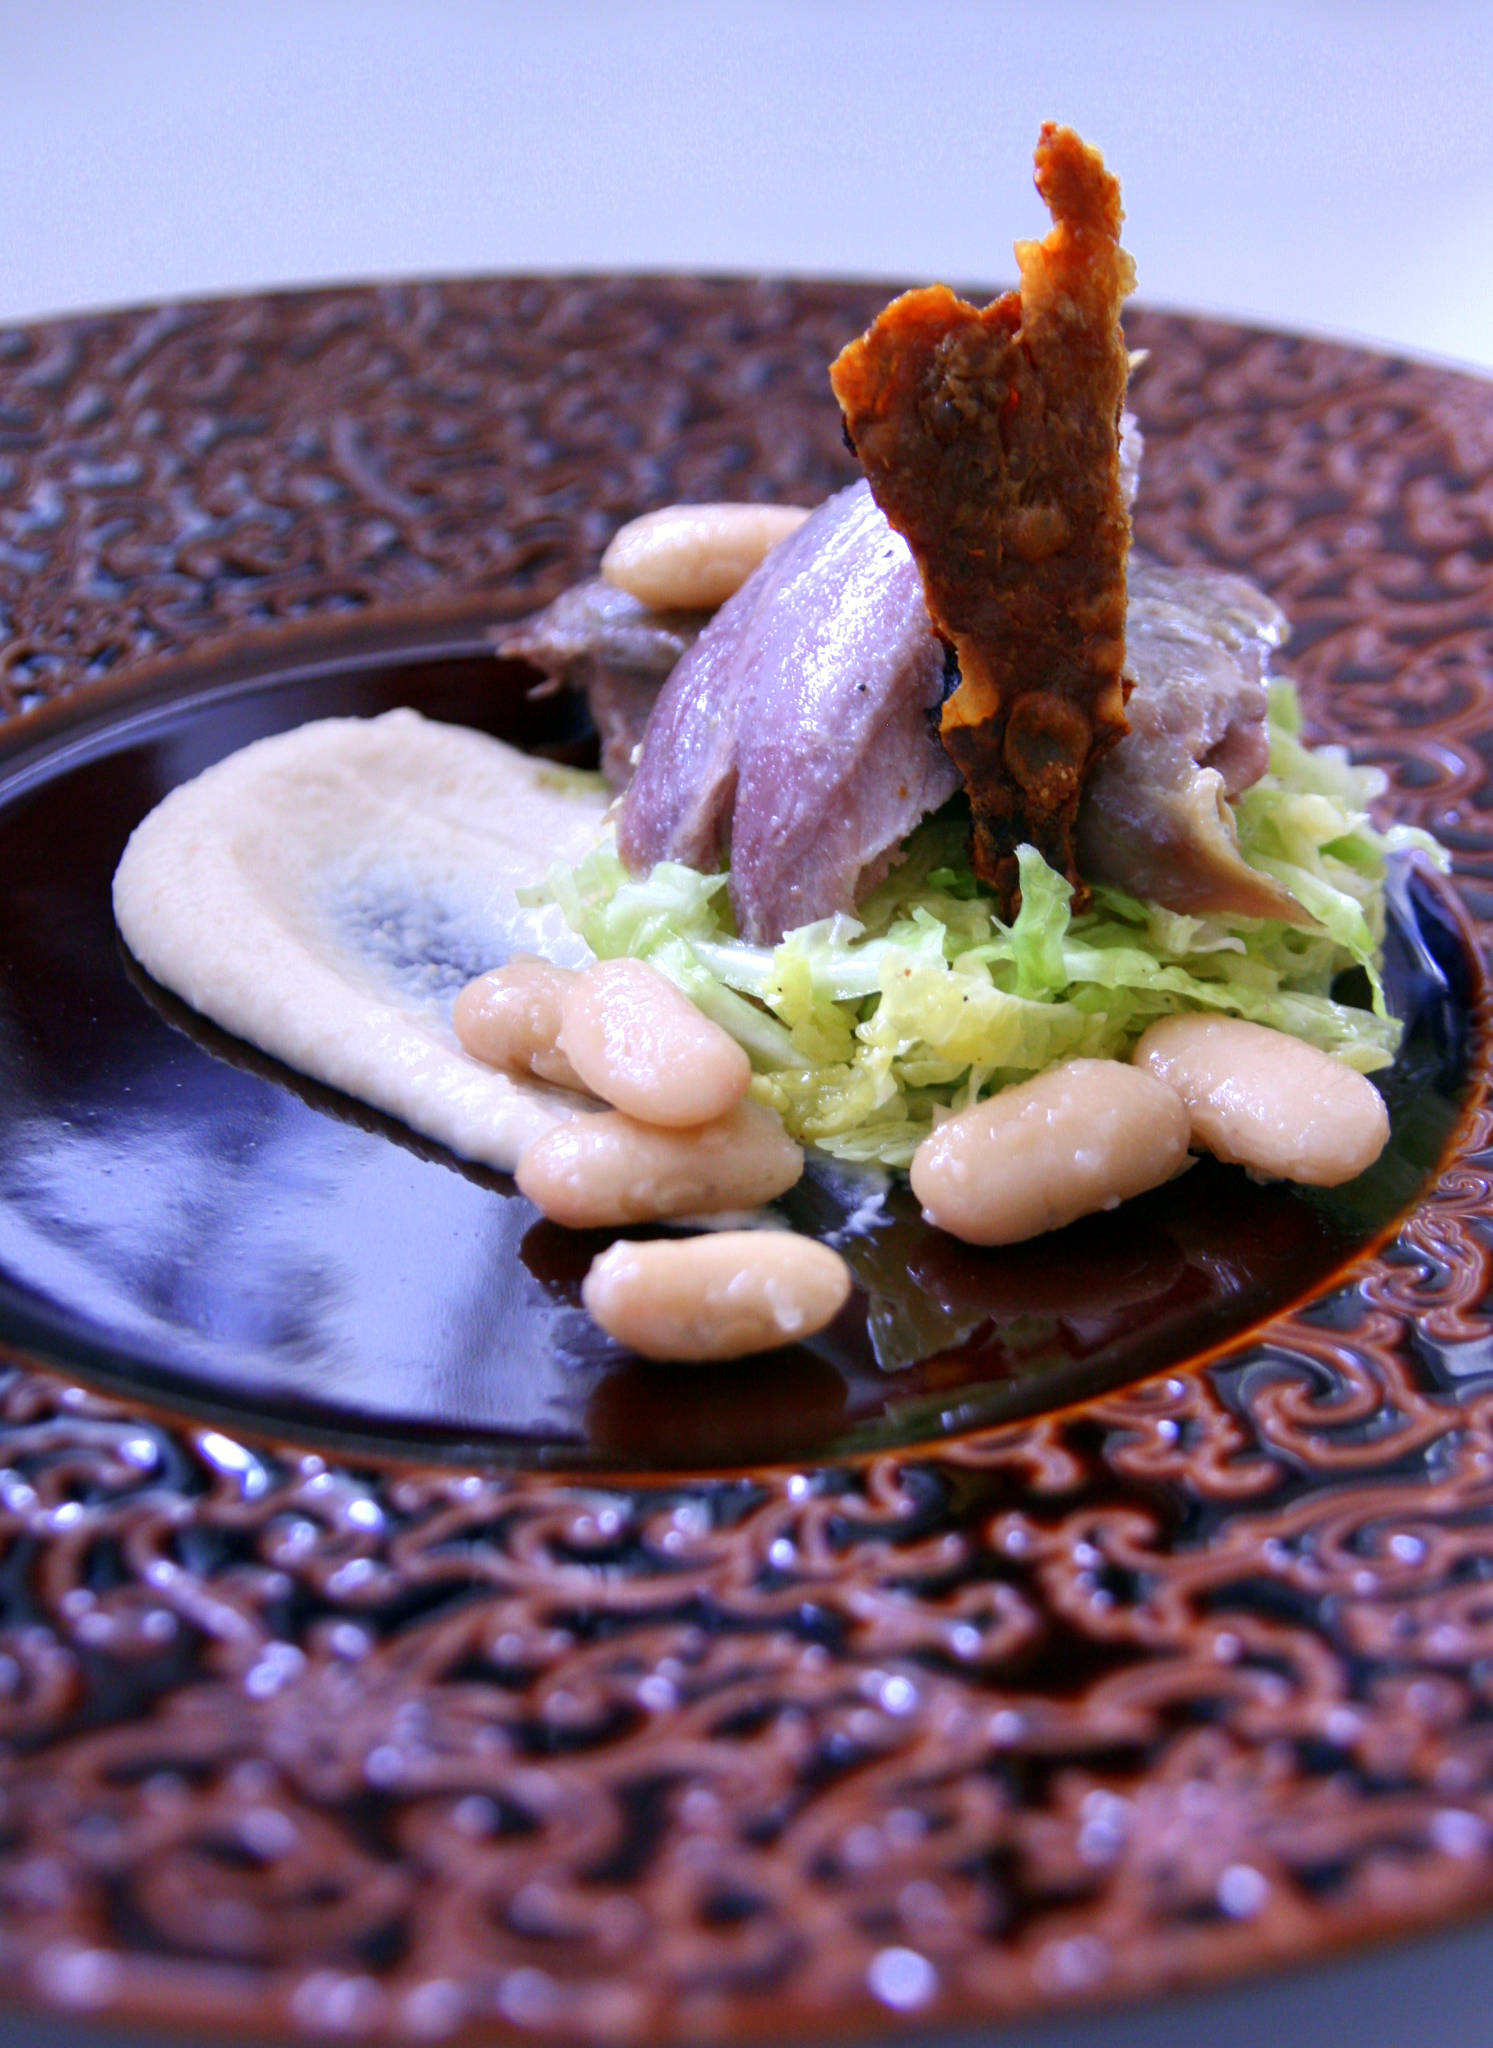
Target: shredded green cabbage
(862, 1028)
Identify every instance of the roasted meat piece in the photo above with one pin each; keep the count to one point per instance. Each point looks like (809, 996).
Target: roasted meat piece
(796, 736)
(804, 758)
(991, 439)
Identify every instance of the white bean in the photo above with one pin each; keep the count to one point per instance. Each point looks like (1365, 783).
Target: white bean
(605, 1170)
(1266, 1100)
(510, 1018)
(639, 1043)
(718, 1296)
(1046, 1151)
(692, 557)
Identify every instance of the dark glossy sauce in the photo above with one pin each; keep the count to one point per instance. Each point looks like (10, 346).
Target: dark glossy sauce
(183, 1216)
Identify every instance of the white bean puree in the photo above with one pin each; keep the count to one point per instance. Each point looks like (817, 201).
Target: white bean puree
(327, 892)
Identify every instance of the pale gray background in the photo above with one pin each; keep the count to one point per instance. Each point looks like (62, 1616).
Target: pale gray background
(1317, 166)
(1309, 164)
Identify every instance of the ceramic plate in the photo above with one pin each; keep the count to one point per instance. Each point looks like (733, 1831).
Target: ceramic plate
(383, 1651)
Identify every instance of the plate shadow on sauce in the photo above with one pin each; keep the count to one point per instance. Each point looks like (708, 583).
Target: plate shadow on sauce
(186, 1218)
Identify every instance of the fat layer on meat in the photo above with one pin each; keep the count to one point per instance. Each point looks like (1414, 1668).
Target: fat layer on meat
(796, 737)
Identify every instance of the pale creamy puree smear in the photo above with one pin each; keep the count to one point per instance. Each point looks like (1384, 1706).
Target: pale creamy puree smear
(326, 893)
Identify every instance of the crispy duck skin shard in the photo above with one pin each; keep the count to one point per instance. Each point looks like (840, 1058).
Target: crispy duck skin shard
(991, 439)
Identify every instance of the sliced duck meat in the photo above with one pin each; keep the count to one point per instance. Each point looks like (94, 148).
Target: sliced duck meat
(991, 438)
(1155, 819)
(679, 803)
(798, 740)
(797, 736)
(597, 639)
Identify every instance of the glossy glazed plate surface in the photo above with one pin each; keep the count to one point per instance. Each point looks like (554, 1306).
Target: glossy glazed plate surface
(335, 1708)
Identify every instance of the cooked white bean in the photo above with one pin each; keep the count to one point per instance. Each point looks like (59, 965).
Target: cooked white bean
(1266, 1100)
(639, 1043)
(719, 1296)
(510, 1018)
(692, 557)
(605, 1170)
(1038, 1155)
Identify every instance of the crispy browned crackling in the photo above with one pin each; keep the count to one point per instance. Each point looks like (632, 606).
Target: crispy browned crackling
(991, 439)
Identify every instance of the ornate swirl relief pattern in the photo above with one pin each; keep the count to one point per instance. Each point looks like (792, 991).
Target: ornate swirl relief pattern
(1184, 1680)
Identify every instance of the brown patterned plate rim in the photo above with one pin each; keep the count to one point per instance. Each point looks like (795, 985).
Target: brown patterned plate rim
(1180, 1683)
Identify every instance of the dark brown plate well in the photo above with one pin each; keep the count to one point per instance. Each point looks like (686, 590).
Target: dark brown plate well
(383, 1652)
